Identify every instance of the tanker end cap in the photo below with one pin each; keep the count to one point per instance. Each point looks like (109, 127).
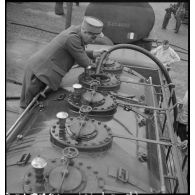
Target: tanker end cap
(92, 25)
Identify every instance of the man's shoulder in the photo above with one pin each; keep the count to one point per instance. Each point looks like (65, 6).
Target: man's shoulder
(171, 50)
(159, 48)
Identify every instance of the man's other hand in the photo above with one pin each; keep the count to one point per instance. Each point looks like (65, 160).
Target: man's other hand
(99, 52)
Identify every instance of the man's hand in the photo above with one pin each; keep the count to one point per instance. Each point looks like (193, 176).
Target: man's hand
(43, 93)
(99, 52)
(183, 145)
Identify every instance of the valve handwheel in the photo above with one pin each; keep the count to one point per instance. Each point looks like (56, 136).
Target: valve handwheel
(85, 109)
(95, 83)
(70, 152)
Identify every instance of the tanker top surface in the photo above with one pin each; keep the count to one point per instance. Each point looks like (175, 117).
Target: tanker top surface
(97, 133)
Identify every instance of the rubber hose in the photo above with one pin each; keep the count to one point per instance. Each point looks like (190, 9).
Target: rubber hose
(148, 54)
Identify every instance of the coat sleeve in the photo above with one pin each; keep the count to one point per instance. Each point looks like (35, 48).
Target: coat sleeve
(90, 54)
(174, 56)
(76, 50)
(154, 51)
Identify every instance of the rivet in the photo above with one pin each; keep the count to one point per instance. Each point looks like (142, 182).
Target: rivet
(30, 189)
(95, 172)
(29, 174)
(27, 181)
(80, 163)
(53, 190)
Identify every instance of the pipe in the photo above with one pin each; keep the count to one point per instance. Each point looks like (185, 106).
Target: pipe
(13, 98)
(69, 14)
(176, 156)
(143, 140)
(148, 54)
(13, 81)
(163, 188)
(34, 28)
(11, 130)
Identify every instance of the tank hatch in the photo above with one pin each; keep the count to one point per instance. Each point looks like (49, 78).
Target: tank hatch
(55, 175)
(101, 103)
(112, 66)
(108, 81)
(81, 132)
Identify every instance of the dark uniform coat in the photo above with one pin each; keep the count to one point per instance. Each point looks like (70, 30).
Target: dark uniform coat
(50, 64)
(179, 17)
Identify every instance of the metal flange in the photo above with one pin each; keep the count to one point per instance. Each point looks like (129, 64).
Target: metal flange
(112, 66)
(75, 182)
(107, 106)
(94, 136)
(108, 81)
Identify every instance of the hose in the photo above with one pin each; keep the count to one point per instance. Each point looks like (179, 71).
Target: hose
(148, 54)
(13, 98)
(14, 81)
(34, 28)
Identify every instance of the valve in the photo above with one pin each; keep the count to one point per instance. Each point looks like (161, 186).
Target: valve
(39, 164)
(88, 71)
(62, 116)
(84, 110)
(94, 85)
(70, 152)
(77, 92)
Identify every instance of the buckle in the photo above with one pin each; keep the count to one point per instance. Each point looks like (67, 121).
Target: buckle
(123, 175)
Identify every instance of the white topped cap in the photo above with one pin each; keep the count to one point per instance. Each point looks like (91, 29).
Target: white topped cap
(92, 25)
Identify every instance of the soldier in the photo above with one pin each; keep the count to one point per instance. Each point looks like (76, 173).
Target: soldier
(182, 119)
(167, 16)
(166, 54)
(46, 68)
(180, 13)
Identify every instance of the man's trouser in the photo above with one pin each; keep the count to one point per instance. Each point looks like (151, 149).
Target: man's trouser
(30, 88)
(165, 21)
(178, 24)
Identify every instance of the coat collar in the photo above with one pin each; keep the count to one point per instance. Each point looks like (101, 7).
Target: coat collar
(77, 30)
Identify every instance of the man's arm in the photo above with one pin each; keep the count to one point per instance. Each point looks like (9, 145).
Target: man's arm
(154, 51)
(174, 57)
(74, 47)
(90, 54)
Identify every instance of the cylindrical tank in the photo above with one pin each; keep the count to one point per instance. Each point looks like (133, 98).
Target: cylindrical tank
(123, 22)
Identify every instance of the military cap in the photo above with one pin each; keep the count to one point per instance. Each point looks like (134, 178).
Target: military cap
(92, 25)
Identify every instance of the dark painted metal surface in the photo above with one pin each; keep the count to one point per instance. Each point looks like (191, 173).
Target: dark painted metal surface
(38, 131)
(98, 171)
(122, 19)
